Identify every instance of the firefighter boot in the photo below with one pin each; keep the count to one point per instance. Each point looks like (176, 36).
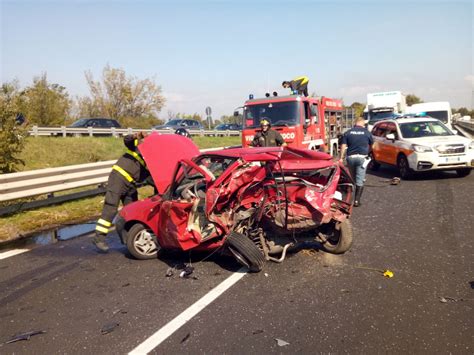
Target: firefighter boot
(99, 242)
(358, 194)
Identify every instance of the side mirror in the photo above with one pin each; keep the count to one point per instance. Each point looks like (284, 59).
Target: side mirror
(390, 136)
(454, 131)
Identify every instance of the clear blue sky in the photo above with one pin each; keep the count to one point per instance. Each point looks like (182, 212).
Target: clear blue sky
(214, 53)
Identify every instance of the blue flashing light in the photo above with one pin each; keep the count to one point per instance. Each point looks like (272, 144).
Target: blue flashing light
(251, 97)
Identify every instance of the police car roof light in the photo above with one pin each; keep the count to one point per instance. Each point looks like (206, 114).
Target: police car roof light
(251, 97)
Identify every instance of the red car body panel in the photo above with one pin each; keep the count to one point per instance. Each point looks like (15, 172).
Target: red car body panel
(161, 153)
(296, 190)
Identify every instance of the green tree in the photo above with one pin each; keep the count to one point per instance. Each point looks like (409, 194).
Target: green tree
(45, 104)
(413, 99)
(120, 96)
(358, 109)
(11, 133)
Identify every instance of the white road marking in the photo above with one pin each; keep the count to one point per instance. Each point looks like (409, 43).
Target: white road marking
(13, 252)
(163, 333)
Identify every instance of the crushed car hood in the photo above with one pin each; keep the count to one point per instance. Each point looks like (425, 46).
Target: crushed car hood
(162, 152)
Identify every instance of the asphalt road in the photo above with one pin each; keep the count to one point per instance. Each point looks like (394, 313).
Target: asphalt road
(314, 302)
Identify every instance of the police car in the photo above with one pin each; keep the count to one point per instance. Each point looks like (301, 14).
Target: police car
(415, 144)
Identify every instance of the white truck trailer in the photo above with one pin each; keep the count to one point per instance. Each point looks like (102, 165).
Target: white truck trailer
(383, 105)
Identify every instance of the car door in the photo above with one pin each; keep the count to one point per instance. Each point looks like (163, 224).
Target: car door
(177, 224)
(391, 148)
(378, 147)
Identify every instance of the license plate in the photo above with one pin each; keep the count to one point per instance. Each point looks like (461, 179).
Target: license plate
(453, 159)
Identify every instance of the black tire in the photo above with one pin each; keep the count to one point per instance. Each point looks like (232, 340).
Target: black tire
(340, 240)
(245, 251)
(403, 167)
(463, 172)
(141, 242)
(373, 165)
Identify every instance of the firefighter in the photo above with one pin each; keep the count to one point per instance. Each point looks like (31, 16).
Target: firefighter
(357, 142)
(267, 137)
(121, 186)
(299, 84)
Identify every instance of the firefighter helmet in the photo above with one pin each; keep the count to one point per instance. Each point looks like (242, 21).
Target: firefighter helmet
(265, 122)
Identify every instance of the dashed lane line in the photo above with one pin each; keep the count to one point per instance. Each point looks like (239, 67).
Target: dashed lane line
(13, 252)
(162, 334)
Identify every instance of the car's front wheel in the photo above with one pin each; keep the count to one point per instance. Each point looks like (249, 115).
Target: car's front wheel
(141, 242)
(373, 165)
(245, 251)
(403, 167)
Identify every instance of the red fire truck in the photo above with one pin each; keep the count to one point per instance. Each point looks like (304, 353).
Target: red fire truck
(304, 122)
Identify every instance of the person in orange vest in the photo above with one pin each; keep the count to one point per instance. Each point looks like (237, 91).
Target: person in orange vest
(299, 84)
(129, 170)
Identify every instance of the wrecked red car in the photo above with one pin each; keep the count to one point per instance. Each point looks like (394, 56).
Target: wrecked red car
(252, 202)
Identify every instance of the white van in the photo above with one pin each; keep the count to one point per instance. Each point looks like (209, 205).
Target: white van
(440, 110)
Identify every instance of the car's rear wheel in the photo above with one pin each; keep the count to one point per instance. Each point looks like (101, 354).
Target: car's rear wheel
(141, 242)
(403, 167)
(339, 240)
(245, 251)
(463, 172)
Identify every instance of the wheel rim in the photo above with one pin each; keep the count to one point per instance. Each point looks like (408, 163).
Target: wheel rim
(239, 257)
(144, 243)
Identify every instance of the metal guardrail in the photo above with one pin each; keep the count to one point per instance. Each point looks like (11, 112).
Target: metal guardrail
(25, 184)
(469, 125)
(116, 132)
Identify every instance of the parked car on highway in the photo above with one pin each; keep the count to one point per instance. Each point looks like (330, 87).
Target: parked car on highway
(179, 123)
(228, 127)
(420, 144)
(95, 122)
(254, 203)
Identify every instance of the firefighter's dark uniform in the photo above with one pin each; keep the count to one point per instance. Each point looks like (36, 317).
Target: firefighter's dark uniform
(300, 85)
(127, 171)
(270, 138)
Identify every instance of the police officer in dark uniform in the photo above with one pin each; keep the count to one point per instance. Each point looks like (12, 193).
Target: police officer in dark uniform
(356, 144)
(267, 137)
(121, 186)
(299, 84)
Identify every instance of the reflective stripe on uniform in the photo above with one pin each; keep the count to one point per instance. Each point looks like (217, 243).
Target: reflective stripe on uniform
(123, 173)
(304, 79)
(136, 156)
(104, 222)
(102, 229)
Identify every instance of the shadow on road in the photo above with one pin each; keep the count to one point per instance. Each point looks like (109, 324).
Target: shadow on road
(388, 172)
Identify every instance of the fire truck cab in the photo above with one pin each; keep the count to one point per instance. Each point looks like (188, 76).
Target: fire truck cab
(304, 122)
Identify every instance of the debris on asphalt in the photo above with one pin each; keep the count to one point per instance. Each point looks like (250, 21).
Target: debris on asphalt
(387, 273)
(266, 275)
(126, 284)
(108, 328)
(395, 181)
(186, 337)
(24, 336)
(281, 342)
(345, 290)
(187, 271)
(169, 272)
(121, 311)
(258, 331)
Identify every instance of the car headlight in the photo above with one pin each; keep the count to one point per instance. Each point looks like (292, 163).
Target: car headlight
(471, 146)
(421, 148)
